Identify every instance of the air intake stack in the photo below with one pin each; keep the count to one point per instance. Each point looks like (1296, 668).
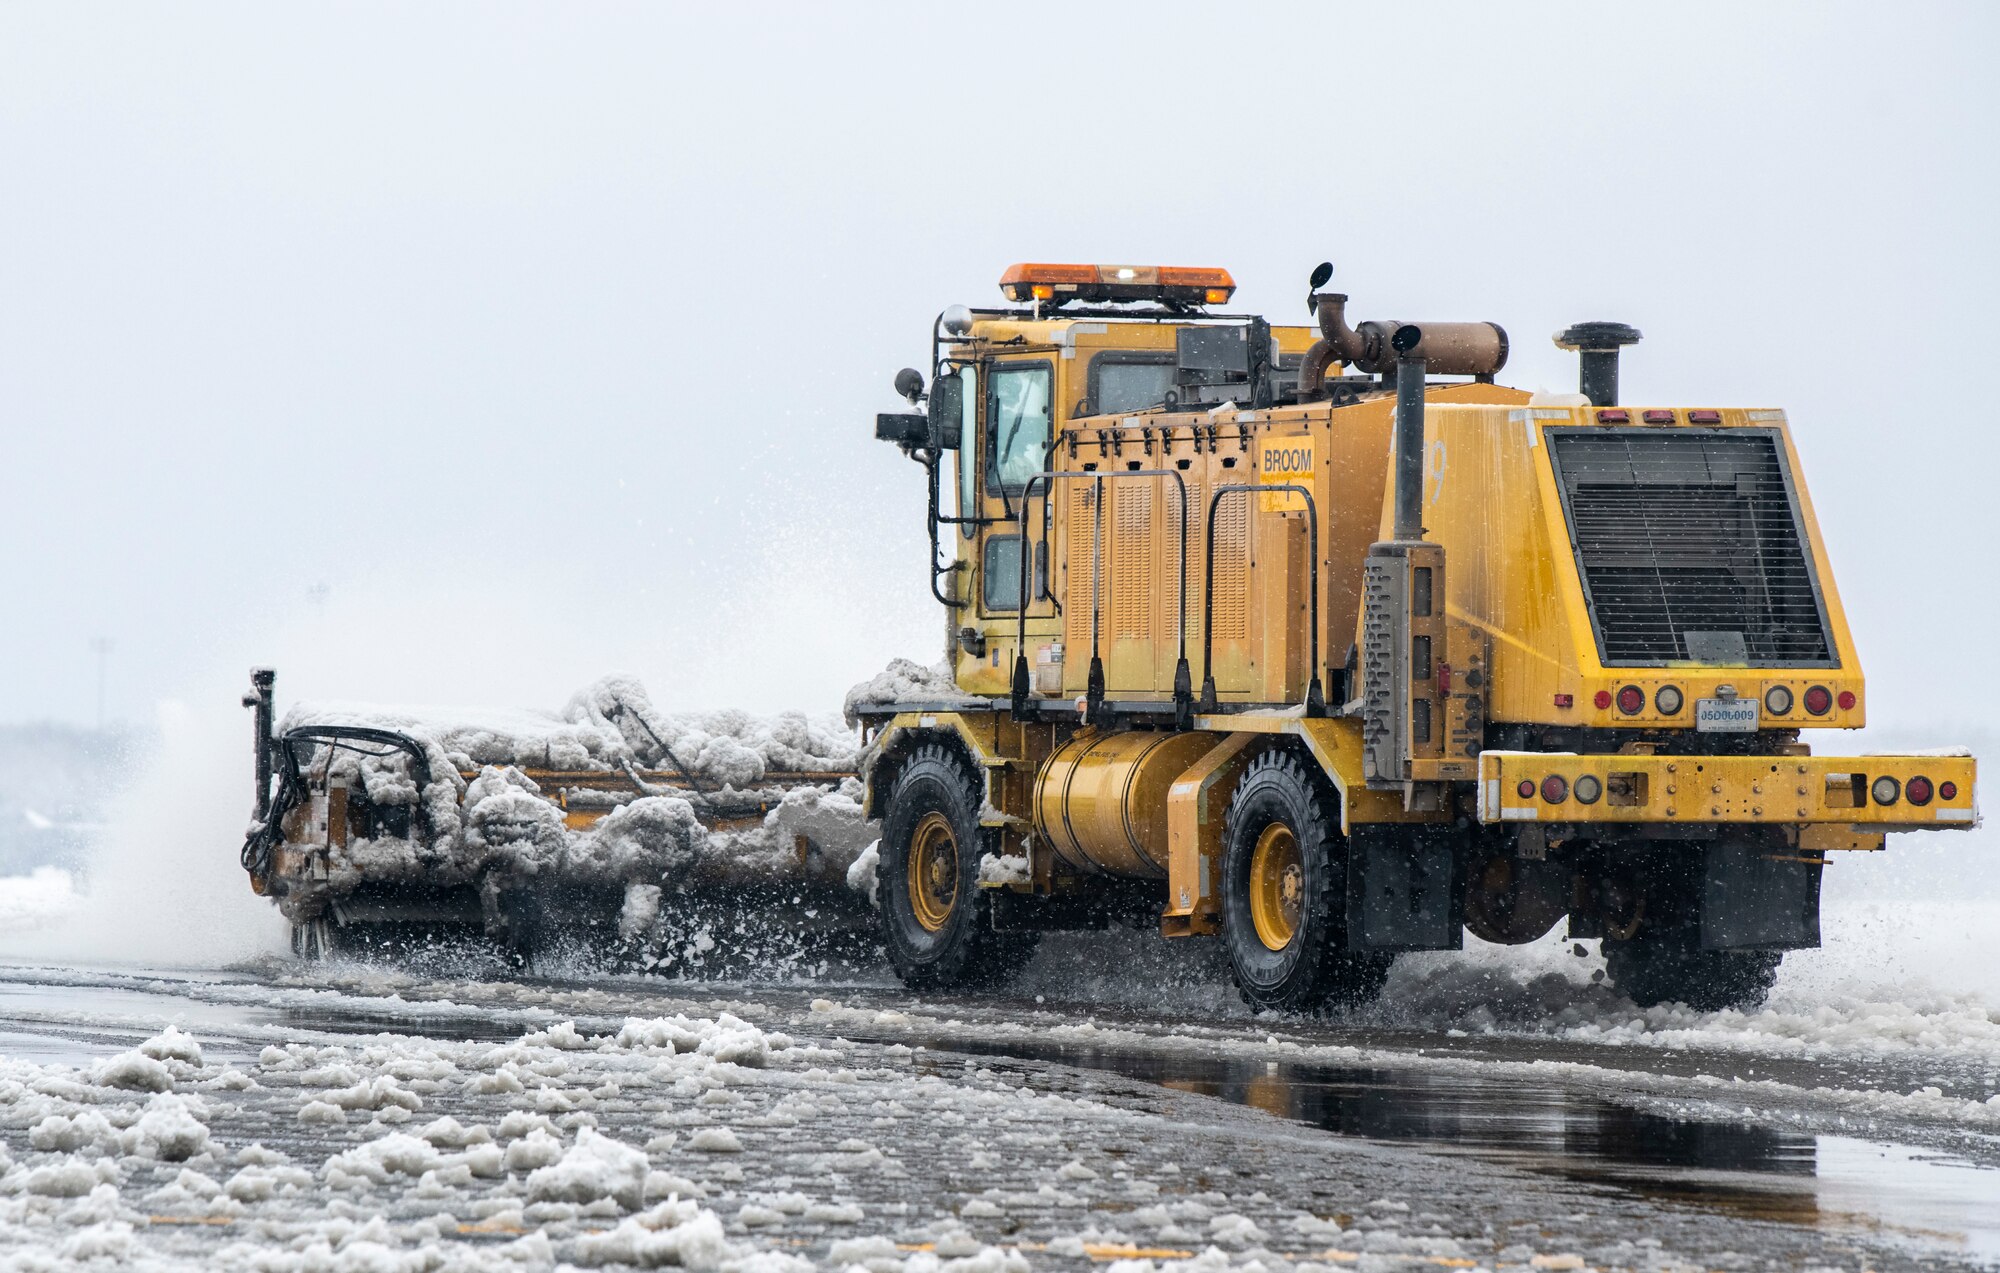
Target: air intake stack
(1597, 345)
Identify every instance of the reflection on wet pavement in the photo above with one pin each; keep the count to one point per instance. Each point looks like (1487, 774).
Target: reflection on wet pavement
(1753, 1172)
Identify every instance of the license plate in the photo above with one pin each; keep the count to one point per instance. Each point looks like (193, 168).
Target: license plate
(1725, 715)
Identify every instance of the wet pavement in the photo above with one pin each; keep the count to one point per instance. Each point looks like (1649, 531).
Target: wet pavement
(1737, 1168)
(1486, 1159)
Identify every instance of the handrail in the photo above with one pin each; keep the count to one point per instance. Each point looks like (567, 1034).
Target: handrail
(1094, 691)
(1315, 697)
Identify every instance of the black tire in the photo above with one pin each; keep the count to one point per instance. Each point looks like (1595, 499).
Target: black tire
(940, 935)
(1309, 966)
(1664, 967)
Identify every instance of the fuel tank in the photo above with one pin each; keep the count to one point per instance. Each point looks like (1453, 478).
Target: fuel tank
(1101, 799)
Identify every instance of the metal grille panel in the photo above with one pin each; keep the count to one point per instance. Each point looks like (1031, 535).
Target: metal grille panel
(1078, 564)
(1132, 583)
(1232, 567)
(1690, 548)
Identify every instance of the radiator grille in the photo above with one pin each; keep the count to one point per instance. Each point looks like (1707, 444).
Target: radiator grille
(1689, 547)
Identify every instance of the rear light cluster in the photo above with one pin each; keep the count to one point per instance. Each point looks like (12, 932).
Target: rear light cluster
(1631, 700)
(1670, 700)
(1555, 789)
(1589, 789)
(1919, 790)
(1817, 700)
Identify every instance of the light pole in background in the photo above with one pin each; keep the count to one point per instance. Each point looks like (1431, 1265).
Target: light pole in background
(101, 647)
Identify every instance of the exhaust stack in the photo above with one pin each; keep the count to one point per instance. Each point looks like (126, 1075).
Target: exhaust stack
(1411, 368)
(1597, 345)
(1449, 349)
(259, 701)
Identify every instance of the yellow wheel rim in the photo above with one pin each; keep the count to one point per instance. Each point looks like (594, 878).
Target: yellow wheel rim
(1277, 886)
(933, 871)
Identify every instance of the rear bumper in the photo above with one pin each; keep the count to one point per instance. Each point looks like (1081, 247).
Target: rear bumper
(1757, 790)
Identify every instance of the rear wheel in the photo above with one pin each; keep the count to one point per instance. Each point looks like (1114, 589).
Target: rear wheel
(1284, 893)
(936, 921)
(1664, 967)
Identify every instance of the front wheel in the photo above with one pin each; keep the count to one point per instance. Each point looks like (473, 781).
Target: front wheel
(936, 921)
(1284, 893)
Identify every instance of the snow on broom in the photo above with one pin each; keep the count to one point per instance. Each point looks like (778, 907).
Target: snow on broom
(610, 828)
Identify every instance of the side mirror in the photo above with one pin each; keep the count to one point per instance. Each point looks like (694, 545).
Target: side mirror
(906, 429)
(947, 412)
(910, 385)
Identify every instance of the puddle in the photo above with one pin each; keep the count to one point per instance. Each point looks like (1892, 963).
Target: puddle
(1892, 1192)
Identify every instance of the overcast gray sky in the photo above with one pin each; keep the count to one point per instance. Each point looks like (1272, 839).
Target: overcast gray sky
(463, 353)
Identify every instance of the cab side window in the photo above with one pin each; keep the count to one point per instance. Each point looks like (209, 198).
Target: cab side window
(1121, 382)
(1018, 420)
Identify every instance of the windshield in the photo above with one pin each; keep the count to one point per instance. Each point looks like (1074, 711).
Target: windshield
(1017, 424)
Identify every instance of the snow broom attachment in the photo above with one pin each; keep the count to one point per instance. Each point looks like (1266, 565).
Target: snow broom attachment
(609, 827)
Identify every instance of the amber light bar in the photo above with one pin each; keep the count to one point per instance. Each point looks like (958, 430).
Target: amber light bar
(1059, 284)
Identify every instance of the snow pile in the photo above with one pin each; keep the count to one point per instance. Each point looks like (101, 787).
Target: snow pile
(905, 680)
(607, 727)
(674, 1234)
(594, 1167)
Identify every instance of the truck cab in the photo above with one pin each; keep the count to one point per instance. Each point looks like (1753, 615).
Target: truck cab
(1085, 342)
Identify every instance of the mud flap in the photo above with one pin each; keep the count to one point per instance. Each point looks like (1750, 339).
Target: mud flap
(1758, 898)
(1401, 890)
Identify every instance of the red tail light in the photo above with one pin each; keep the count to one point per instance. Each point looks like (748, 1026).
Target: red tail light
(1704, 417)
(1917, 790)
(1602, 699)
(1631, 700)
(1847, 700)
(1819, 701)
(1948, 790)
(1527, 788)
(1657, 417)
(1554, 789)
(1617, 415)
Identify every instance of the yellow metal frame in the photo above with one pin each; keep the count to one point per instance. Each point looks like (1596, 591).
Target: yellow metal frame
(1490, 497)
(1708, 790)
